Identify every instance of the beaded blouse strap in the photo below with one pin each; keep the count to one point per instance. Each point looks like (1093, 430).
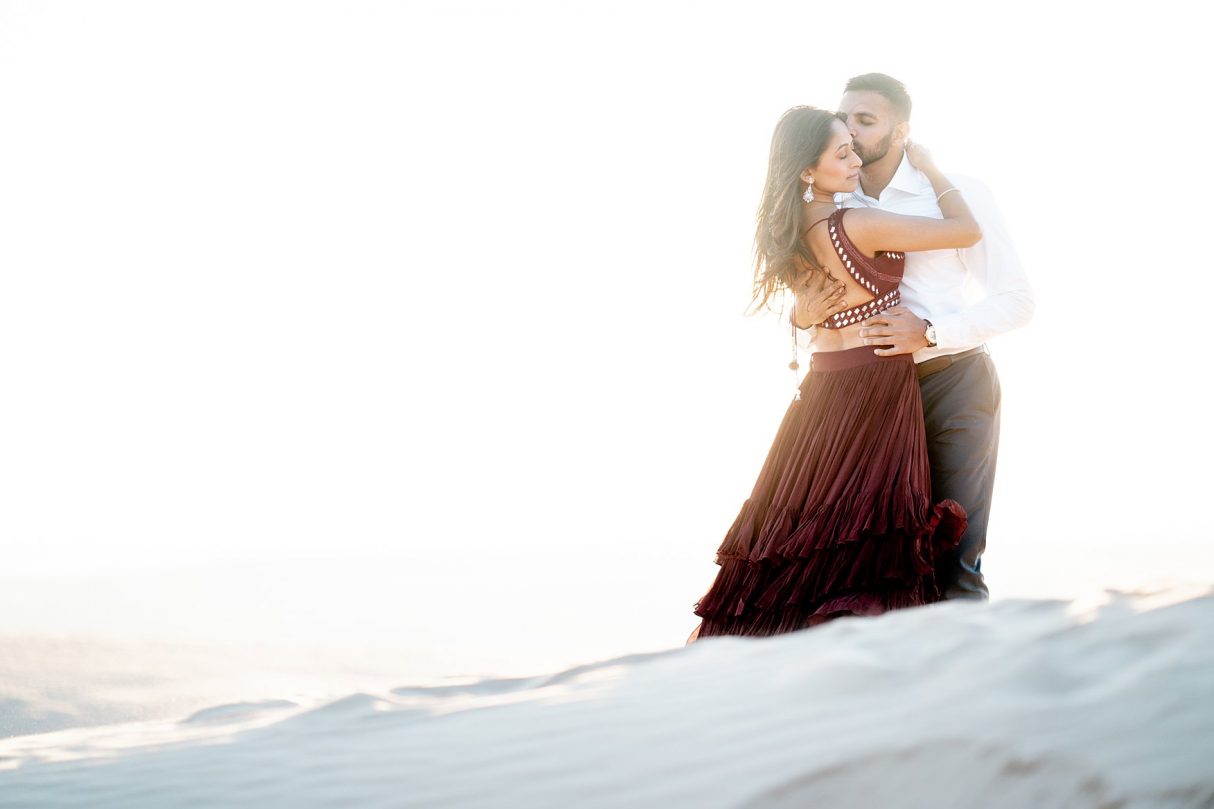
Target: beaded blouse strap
(851, 256)
(863, 311)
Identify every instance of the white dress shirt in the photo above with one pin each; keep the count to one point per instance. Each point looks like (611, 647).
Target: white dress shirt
(971, 294)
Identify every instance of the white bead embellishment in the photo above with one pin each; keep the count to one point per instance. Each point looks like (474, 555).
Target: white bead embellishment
(879, 303)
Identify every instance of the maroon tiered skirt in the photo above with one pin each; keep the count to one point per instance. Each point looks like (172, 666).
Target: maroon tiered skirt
(841, 520)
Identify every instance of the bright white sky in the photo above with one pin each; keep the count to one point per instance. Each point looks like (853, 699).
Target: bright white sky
(454, 291)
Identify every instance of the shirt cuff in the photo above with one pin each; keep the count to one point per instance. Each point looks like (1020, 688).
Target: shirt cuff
(950, 331)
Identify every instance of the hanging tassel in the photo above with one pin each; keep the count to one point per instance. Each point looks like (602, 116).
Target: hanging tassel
(794, 366)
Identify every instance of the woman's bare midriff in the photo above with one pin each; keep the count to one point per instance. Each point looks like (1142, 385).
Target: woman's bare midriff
(838, 339)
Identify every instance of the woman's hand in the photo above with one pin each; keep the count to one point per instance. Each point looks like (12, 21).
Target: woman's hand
(818, 296)
(872, 230)
(920, 157)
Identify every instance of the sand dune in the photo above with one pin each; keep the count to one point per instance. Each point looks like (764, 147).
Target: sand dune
(1007, 704)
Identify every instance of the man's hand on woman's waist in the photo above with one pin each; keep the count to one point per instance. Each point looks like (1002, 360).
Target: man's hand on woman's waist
(897, 329)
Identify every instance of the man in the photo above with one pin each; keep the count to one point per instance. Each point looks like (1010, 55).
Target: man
(940, 323)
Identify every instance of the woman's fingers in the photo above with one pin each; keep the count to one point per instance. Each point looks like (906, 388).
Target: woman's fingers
(918, 155)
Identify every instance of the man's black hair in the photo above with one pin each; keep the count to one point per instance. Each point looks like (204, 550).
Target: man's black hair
(893, 90)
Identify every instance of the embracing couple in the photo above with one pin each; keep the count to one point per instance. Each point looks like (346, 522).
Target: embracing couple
(876, 491)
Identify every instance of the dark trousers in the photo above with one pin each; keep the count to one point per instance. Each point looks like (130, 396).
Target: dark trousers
(961, 411)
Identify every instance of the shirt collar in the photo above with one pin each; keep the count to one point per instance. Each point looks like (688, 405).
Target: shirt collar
(907, 179)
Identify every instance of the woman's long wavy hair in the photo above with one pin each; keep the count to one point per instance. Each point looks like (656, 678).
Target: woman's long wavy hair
(801, 137)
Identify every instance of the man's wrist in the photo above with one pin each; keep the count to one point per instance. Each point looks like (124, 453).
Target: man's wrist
(929, 334)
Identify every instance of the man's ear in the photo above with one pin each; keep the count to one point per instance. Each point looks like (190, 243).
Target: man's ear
(902, 132)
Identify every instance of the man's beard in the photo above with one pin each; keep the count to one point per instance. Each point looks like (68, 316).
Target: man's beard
(878, 152)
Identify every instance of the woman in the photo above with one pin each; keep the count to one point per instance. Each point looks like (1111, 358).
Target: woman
(840, 521)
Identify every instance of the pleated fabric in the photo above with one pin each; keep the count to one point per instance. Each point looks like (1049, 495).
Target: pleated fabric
(840, 521)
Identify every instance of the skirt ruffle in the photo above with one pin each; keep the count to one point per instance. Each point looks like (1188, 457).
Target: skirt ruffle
(840, 521)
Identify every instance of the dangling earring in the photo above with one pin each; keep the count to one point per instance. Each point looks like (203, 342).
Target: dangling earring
(808, 196)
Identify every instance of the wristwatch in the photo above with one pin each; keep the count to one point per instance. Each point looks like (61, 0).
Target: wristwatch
(930, 334)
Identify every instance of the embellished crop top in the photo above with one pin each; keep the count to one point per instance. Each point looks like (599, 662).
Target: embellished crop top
(879, 275)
